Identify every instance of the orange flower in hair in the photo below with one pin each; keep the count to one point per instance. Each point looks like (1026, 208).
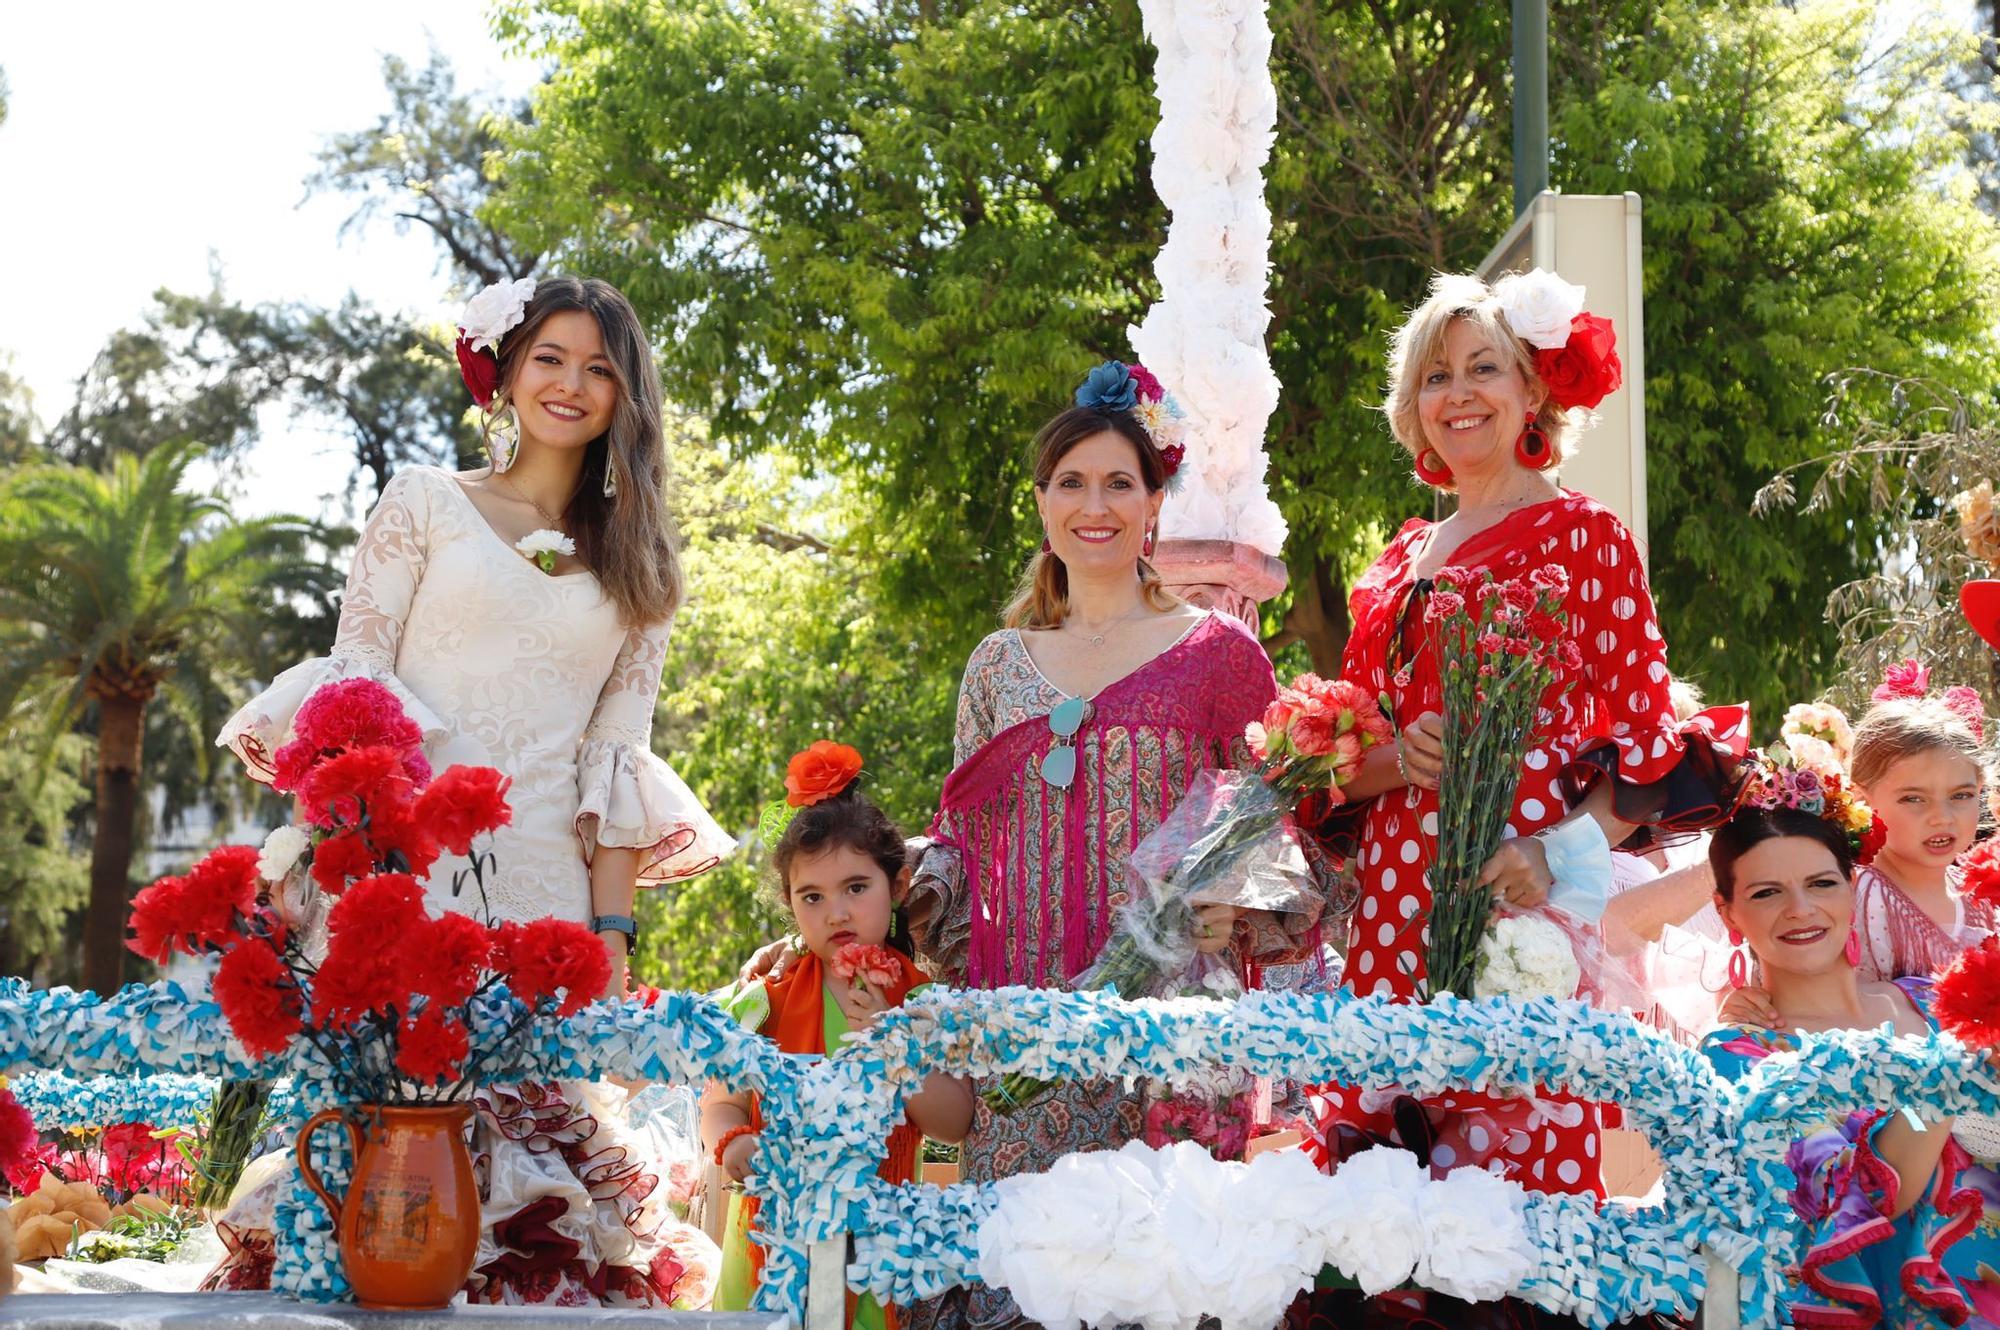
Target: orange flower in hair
(820, 772)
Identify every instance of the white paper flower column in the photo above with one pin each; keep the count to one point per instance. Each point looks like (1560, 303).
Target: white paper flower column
(1205, 338)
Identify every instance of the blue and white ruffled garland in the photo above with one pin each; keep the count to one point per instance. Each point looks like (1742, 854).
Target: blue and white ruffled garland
(66, 1103)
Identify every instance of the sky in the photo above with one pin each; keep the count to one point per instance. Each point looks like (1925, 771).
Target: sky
(146, 143)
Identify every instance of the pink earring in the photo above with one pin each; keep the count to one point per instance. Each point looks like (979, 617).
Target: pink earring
(1739, 961)
(1146, 546)
(1046, 547)
(1853, 949)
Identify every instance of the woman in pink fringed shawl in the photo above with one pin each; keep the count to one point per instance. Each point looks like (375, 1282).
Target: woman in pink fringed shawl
(1028, 854)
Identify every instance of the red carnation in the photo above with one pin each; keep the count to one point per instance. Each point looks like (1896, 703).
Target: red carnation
(443, 958)
(1981, 866)
(479, 369)
(465, 802)
(352, 984)
(377, 912)
(25, 1174)
(340, 859)
(354, 713)
(396, 827)
(18, 1138)
(199, 912)
(336, 791)
(432, 1048)
(1585, 370)
(538, 958)
(259, 998)
(1872, 840)
(1966, 1001)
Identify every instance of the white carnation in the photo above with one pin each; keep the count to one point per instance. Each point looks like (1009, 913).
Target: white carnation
(1525, 956)
(545, 541)
(1374, 1233)
(282, 849)
(1539, 307)
(496, 311)
(1476, 1244)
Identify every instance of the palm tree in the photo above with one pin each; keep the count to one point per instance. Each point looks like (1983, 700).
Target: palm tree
(119, 589)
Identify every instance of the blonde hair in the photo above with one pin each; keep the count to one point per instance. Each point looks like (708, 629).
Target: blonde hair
(1421, 339)
(1907, 727)
(1041, 598)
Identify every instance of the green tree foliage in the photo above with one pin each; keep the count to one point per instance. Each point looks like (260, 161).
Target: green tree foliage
(43, 880)
(1806, 214)
(864, 233)
(121, 591)
(783, 641)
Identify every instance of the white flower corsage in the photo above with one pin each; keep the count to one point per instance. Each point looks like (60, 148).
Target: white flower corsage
(282, 849)
(1539, 307)
(495, 311)
(542, 548)
(1525, 956)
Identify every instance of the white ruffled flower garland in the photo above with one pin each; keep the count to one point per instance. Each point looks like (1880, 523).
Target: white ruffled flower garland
(1205, 337)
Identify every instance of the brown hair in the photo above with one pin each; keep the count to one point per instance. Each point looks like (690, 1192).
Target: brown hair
(849, 820)
(1420, 341)
(627, 541)
(1753, 826)
(1041, 599)
(1905, 727)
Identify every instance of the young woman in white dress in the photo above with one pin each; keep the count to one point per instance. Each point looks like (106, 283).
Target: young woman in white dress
(550, 674)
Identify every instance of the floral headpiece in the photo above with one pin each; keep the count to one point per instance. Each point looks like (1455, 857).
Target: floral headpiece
(1777, 779)
(1911, 679)
(1576, 352)
(1114, 387)
(490, 315)
(1818, 736)
(815, 774)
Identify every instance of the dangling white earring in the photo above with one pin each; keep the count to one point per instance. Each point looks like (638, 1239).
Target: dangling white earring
(610, 477)
(503, 437)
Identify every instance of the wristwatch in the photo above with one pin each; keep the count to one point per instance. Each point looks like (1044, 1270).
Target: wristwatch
(622, 923)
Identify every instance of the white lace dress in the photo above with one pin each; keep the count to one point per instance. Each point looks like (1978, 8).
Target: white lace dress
(506, 666)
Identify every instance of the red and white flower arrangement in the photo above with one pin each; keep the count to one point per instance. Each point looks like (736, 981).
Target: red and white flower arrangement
(1575, 351)
(388, 1005)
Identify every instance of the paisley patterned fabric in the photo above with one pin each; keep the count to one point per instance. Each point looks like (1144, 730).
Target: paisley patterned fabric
(505, 666)
(1129, 776)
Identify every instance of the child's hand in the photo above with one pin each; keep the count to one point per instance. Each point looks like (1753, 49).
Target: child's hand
(1751, 1007)
(861, 1002)
(736, 1159)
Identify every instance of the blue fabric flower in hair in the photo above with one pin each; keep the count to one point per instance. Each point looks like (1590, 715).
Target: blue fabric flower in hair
(1110, 387)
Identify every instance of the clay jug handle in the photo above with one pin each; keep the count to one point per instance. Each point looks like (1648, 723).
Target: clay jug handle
(304, 1150)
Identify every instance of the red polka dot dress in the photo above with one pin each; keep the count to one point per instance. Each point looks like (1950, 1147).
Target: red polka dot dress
(1617, 699)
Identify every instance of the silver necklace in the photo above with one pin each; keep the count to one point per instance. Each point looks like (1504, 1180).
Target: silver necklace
(1097, 639)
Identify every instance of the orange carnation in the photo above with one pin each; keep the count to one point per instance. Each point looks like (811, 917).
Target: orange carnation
(820, 772)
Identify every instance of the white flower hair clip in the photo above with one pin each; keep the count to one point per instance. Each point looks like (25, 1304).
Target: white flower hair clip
(1539, 307)
(490, 315)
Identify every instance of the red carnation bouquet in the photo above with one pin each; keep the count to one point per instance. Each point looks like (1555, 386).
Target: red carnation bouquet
(388, 1005)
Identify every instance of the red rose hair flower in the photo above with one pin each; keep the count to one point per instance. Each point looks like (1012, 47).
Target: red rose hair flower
(259, 999)
(465, 802)
(1966, 1001)
(820, 772)
(1586, 369)
(432, 1048)
(539, 958)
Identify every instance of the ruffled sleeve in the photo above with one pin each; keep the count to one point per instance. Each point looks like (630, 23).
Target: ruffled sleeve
(381, 585)
(1856, 1248)
(627, 798)
(1670, 775)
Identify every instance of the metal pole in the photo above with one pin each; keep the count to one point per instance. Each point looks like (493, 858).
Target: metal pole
(1531, 101)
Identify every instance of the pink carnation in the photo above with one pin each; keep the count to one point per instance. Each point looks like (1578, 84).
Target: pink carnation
(1443, 604)
(1145, 383)
(1909, 679)
(859, 962)
(1965, 702)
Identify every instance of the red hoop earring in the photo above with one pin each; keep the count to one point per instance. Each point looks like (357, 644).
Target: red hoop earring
(1853, 948)
(1431, 468)
(1739, 961)
(1532, 448)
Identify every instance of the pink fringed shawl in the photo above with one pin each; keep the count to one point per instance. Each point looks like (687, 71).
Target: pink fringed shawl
(1045, 867)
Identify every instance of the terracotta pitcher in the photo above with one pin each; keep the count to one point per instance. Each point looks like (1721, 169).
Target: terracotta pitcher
(409, 1224)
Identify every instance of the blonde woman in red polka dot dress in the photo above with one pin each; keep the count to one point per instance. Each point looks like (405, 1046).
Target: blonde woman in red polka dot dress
(1467, 402)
